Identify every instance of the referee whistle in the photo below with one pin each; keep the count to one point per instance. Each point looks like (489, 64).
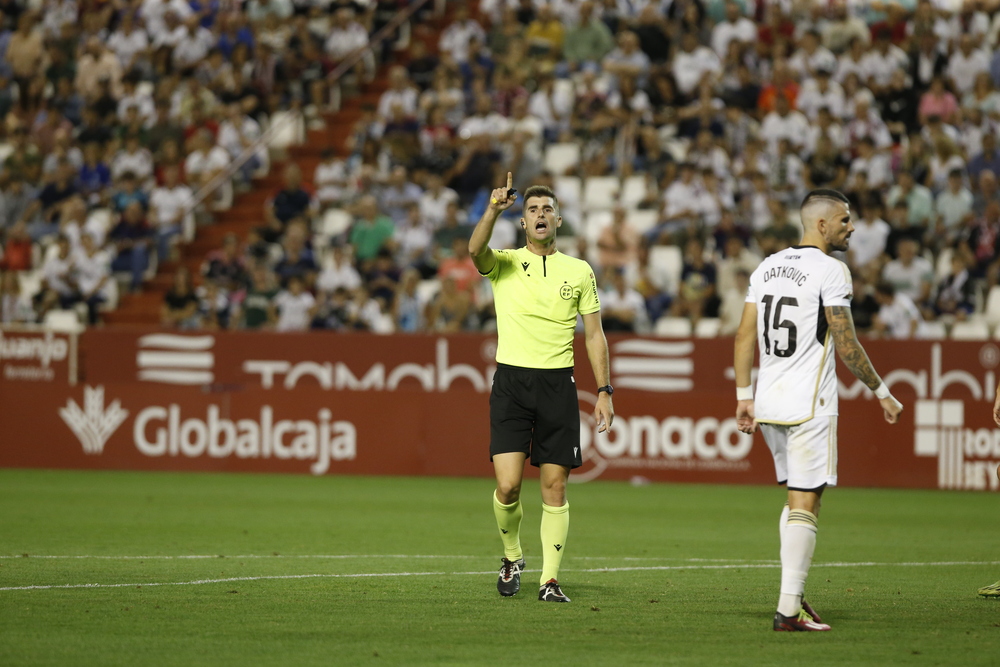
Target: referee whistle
(510, 192)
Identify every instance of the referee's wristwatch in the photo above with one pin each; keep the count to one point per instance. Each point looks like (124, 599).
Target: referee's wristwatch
(608, 388)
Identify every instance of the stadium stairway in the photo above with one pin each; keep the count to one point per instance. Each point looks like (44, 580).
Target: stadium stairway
(247, 211)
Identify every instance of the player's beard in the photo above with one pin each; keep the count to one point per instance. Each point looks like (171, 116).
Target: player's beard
(842, 247)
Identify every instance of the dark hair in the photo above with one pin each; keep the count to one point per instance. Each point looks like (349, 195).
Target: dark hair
(539, 191)
(886, 288)
(825, 193)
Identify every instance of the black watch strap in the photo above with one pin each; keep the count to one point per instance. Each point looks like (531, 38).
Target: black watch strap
(606, 388)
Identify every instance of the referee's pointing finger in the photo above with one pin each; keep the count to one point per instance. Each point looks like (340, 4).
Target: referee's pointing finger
(510, 180)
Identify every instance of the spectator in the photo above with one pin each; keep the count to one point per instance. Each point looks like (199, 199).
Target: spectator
(987, 159)
(330, 180)
(371, 230)
(898, 317)
(692, 64)
(408, 306)
(213, 306)
(938, 101)
(458, 35)
(783, 123)
(398, 194)
(965, 64)
(224, 267)
(450, 308)
(955, 292)
(16, 255)
(871, 232)
(622, 307)
(206, 161)
(952, 207)
(133, 159)
(735, 28)
(732, 302)
(131, 238)
(919, 200)
(170, 205)
(339, 273)
(292, 201)
(14, 308)
(981, 242)
(180, 303)
(294, 306)
(697, 296)
(545, 35)
(909, 273)
(92, 266)
(128, 191)
(255, 309)
(589, 41)
(238, 133)
(617, 244)
(59, 288)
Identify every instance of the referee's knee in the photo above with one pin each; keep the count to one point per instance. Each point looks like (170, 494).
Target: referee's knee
(508, 492)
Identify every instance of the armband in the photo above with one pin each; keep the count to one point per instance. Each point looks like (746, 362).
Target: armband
(744, 393)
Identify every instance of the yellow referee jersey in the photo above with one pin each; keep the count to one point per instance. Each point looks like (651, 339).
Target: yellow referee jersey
(537, 299)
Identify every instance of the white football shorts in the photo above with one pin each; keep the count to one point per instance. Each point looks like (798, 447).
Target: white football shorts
(805, 455)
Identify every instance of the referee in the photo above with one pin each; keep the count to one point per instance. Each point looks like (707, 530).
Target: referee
(538, 292)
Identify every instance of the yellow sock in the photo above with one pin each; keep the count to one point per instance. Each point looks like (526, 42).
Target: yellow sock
(555, 528)
(509, 523)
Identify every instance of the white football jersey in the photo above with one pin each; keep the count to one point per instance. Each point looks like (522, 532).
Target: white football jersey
(797, 379)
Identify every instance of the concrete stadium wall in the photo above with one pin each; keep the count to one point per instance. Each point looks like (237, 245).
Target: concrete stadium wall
(320, 403)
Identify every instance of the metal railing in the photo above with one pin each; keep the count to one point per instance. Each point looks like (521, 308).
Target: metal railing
(265, 138)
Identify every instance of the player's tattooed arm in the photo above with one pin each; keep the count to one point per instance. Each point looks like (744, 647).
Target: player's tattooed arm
(845, 339)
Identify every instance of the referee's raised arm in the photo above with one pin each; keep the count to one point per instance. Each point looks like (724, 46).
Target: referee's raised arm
(501, 199)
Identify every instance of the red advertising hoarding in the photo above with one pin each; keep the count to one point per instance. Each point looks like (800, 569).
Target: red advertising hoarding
(323, 403)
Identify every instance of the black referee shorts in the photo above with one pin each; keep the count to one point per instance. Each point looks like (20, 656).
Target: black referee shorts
(535, 411)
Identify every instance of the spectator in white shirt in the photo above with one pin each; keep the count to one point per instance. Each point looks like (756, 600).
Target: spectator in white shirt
(58, 277)
(783, 123)
(910, 274)
(870, 234)
(237, 133)
(873, 167)
(400, 92)
(295, 307)
(93, 275)
(153, 14)
(898, 317)
(820, 92)
(128, 42)
(811, 56)
(206, 161)
(965, 64)
(953, 207)
(172, 33)
(456, 37)
(133, 158)
(142, 102)
(735, 27)
(852, 62)
(169, 205)
(339, 273)
(330, 180)
(693, 63)
(622, 307)
(627, 60)
(880, 63)
(346, 35)
(194, 46)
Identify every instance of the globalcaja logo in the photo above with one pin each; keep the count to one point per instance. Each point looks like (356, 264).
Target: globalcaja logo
(966, 457)
(93, 425)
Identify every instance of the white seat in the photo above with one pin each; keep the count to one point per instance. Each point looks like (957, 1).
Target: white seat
(593, 223)
(559, 158)
(633, 191)
(943, 266)
(102, 218)
(601, 193)
(62, 320)
(290, 129)
(335, 222)
(934, 330)
(569, 191)
(642, 220)
(972, 330)
(31, 283)
(707, 327)
(670, 260)
(673, 327)
(992, 310)
(428, 289)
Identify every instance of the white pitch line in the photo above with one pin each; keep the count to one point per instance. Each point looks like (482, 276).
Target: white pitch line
(30, 556)
(199, 582)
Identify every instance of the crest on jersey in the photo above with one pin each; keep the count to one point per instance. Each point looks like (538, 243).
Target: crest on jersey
(566, 292)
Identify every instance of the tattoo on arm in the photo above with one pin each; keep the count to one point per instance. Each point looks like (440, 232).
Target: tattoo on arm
(845, 339)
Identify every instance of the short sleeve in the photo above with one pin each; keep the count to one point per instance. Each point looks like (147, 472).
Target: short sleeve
(837, 288)
(503, 259)
(751, 290)
(590, 302)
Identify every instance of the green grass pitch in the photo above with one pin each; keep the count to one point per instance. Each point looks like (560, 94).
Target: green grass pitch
(257, 572)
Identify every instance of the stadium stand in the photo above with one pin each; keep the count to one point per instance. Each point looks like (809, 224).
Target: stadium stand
(143, 138)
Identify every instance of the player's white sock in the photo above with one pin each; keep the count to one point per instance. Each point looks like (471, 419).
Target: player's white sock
(781, 524)
(797, 546)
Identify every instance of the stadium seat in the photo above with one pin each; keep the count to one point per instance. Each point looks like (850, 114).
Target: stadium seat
(62, 320)
(290, 129)
(634, 190)
(427, 289)
(992, 311)
(601, 193)
(707, 327)
(560, 158)
(593, 223)
(569, 191)
(642, 220)
(673, 327)
(972, 330)
(334, 222)
(31, 282)
(669, 259)
(943, 266)
(935, 330)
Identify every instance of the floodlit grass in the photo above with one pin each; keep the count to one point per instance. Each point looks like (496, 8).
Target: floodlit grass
(659, 574)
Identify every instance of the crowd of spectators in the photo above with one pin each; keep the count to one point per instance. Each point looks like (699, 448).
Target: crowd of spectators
(694, 128)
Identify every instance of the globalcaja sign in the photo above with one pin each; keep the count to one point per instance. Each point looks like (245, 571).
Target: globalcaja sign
(321, 403)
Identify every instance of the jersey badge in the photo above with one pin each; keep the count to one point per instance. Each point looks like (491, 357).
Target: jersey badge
(566, 292)
(524, 265)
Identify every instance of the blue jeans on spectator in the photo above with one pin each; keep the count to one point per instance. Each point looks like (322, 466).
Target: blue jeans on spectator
(163, 237)
(135, 261)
